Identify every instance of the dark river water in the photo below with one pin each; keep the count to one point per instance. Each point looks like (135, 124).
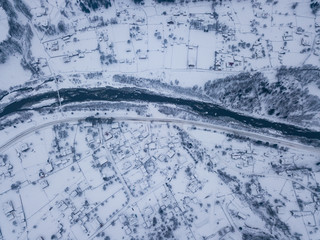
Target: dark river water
(203, 109)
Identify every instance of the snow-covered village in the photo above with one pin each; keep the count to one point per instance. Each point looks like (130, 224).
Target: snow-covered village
(159, 119)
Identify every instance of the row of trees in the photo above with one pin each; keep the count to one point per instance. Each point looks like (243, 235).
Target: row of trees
(315, 6)
(159, 1)
(20, 35)
(92, 5)
(287, 98)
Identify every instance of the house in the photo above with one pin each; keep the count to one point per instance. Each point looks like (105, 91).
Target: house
(74, 193)
(107, 136)
(152, 146)
(144, 184)
(143, 135)
(66, 59)
(39, 11)
(96, 223)
(237, 60)
(194, 186)
(192, 56)
(8, 208)
(218, 61)
(317, 39)
(122, 218)
(115, 125)
(48, 168)
(306, 41)
(127, 230)
(89, 138)
(102, 160)
(229, 62)
(67, 37)
(287, 37)
(66, 151)
(150, 166)
(62, 206)
(133, 220)
(236, 156)
(126, 165)
(55, 46)
(24, 147)
(316, 51)
(317, 26)
(44, 183)
(225, 230)
(299, 30)
(2, 161)
(143, 55)
(148, 211)
(171, 153)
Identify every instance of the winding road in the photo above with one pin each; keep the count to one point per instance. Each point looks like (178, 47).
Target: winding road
(252, 135)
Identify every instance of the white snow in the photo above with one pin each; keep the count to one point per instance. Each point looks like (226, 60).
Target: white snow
(4, 25)
(12, 73)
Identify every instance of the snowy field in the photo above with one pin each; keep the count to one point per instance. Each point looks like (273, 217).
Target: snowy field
(135, 170)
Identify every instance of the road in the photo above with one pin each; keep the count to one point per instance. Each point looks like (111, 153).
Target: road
(253, 135)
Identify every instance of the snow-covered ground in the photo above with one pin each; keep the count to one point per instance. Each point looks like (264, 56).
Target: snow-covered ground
(133, 171)
(126, 178)
(4, 26)
(135, 39)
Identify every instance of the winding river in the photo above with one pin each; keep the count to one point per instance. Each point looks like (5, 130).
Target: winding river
(110, 94)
